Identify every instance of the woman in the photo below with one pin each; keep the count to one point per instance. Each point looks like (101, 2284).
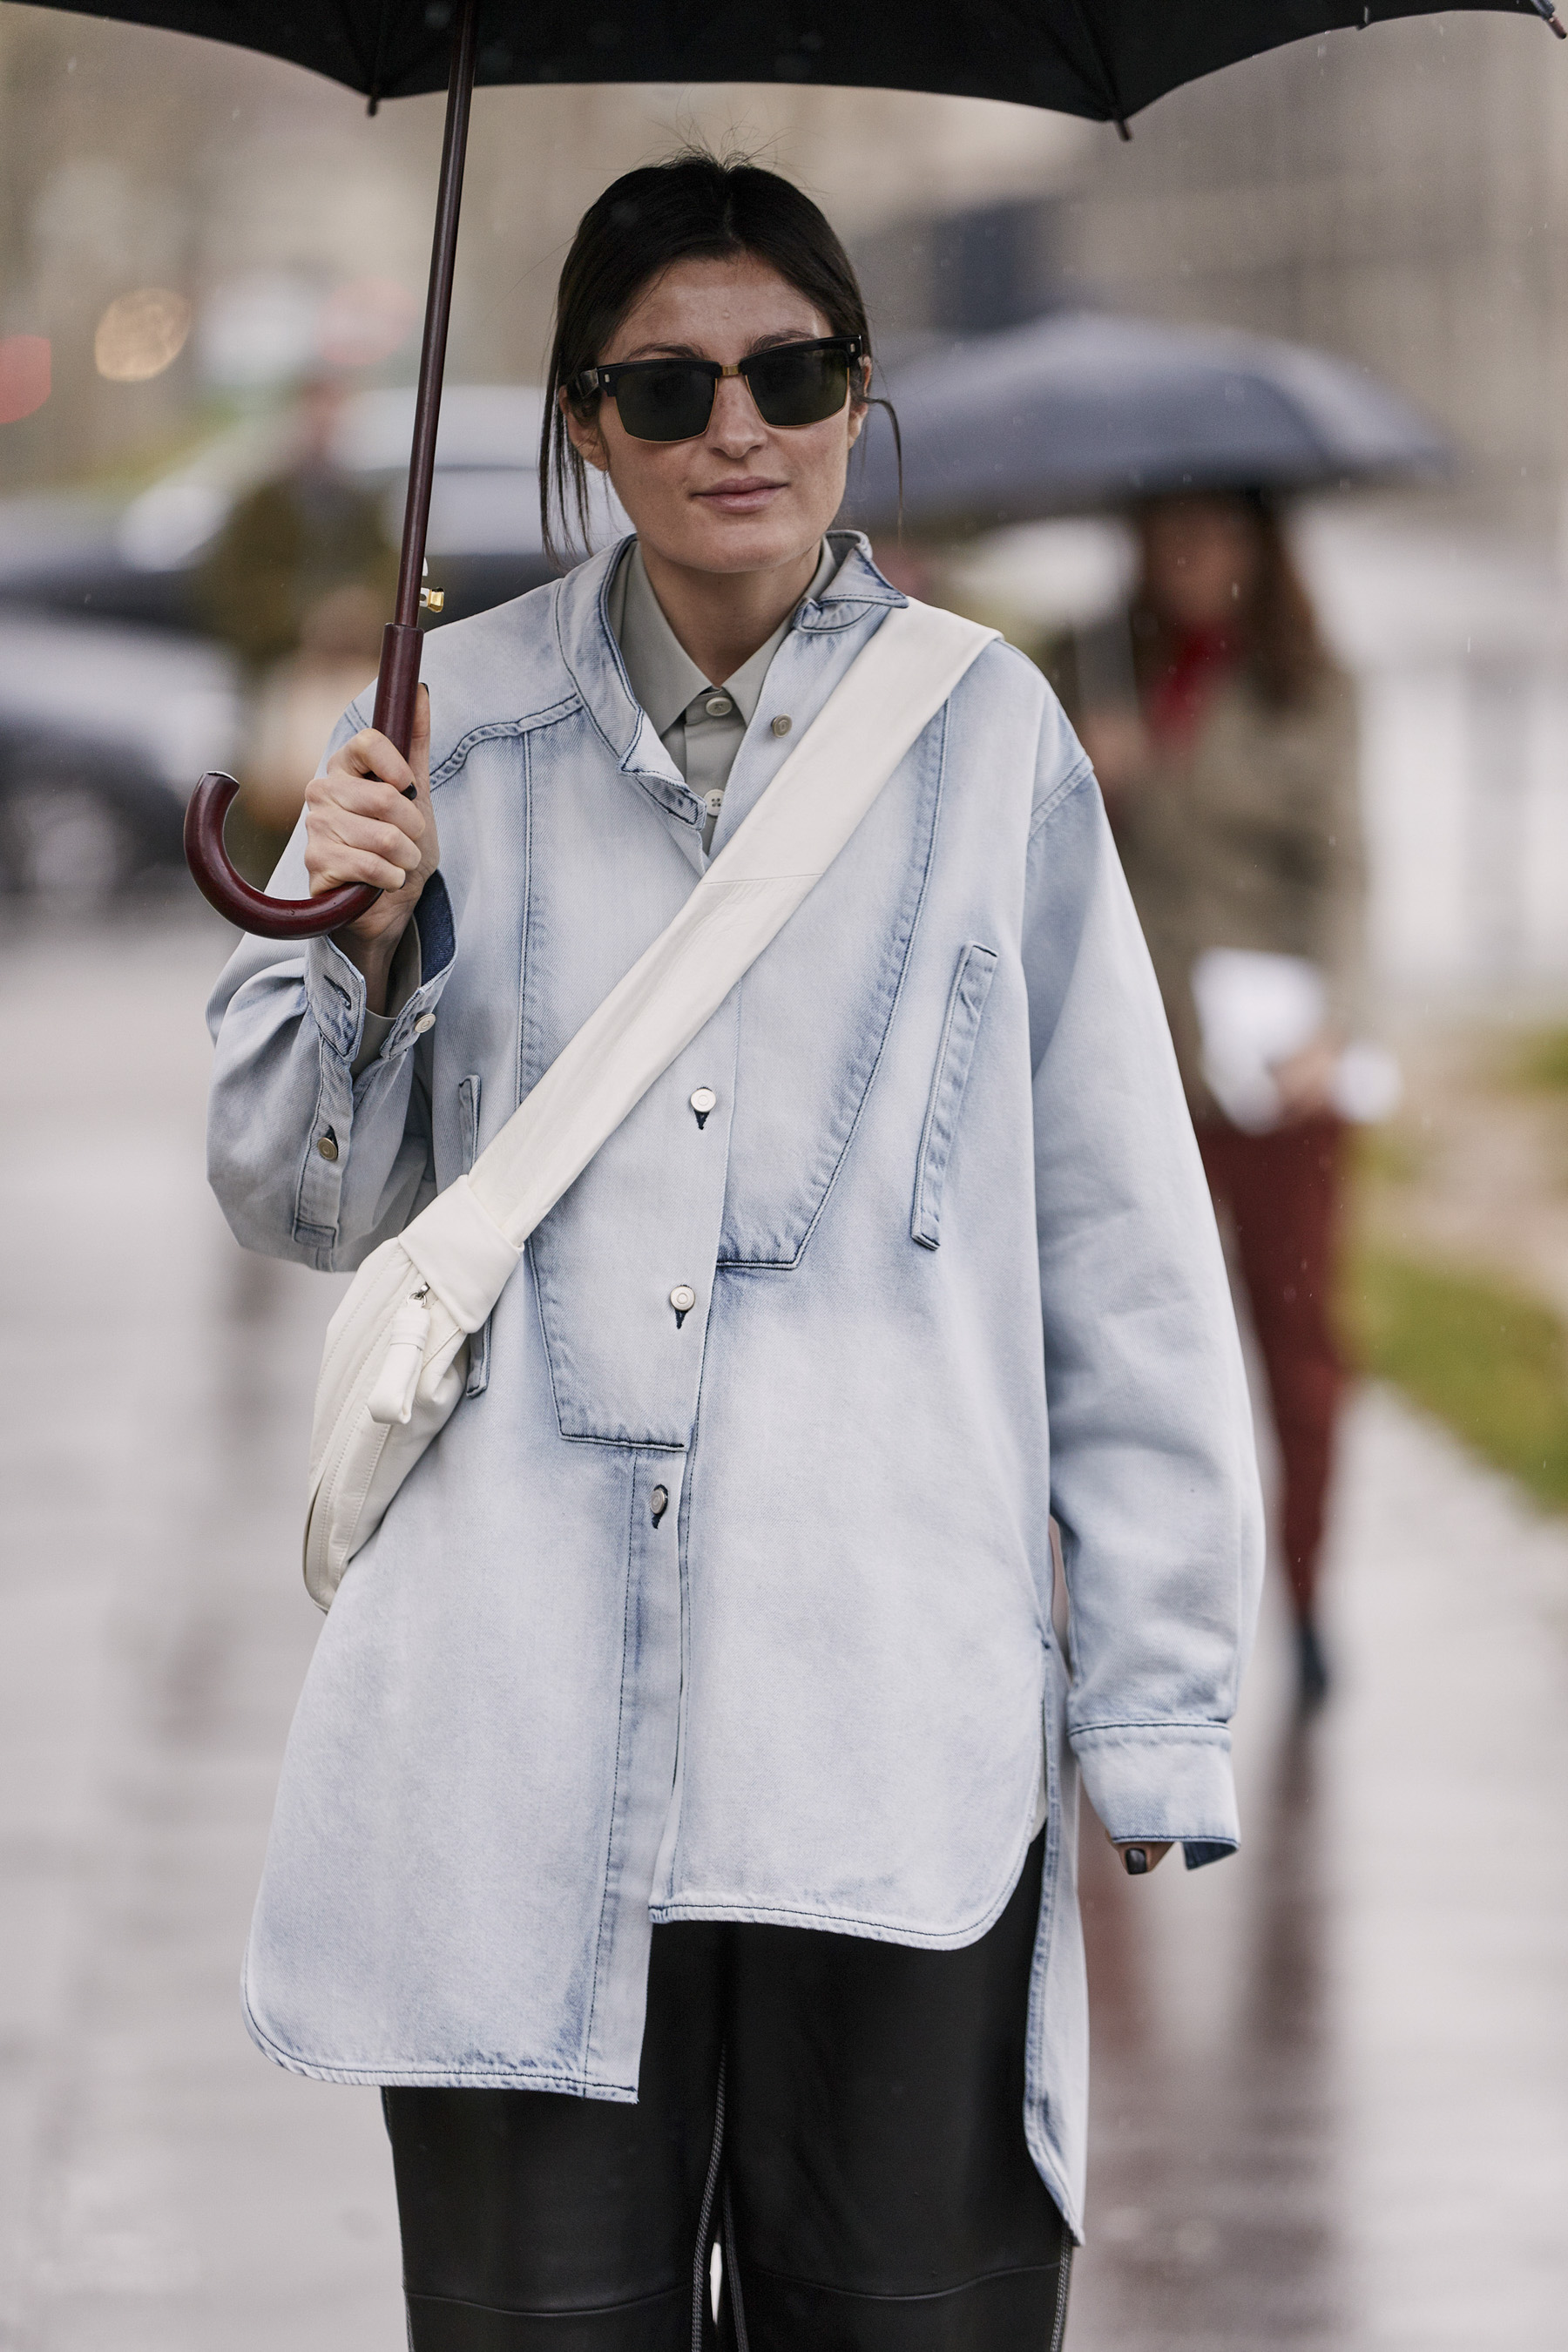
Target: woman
(692, 1732)
(1231, 783)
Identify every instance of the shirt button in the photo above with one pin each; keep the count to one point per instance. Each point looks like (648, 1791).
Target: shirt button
(327, 1147)
(426, 1021)
(713, 803)
(683, 1299)
(782, 725)
(718, 706)
(703, 1100)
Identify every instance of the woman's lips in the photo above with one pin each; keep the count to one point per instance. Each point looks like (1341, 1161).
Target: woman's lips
(748, 495)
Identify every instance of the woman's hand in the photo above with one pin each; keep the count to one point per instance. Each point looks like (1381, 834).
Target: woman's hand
(359, 827)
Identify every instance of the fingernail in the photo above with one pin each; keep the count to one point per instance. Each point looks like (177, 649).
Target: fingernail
(1137, 1860)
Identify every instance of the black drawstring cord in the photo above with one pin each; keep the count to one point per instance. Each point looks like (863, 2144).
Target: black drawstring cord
(733, 2273)
(700, 2288)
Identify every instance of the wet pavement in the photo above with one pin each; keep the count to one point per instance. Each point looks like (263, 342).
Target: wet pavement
(1331, 2076)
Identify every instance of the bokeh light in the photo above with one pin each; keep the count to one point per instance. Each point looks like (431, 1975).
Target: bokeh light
(24, 376)
(140, 333)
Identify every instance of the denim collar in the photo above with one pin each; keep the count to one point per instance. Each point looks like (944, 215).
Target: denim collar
(588, 648)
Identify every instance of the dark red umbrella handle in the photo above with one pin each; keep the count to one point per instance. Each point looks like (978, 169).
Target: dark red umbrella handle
(227, 889)
(216, 877)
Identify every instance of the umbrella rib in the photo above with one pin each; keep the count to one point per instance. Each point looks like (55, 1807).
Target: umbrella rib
(1103, 70)
(380, 58)
(346, 25)
(1099, 76)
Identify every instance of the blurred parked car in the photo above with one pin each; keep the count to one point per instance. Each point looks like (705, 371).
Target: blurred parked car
(113, 703)
(104, 729)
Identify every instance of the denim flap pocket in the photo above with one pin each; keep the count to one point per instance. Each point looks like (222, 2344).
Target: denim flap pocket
(468, 1124)
(971, 986)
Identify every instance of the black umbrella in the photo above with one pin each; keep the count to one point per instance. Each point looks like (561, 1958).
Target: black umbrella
(1079, 409)
(1100, 58)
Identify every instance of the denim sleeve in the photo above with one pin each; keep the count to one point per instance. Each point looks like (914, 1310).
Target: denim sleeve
(308, 1160)
(1153, 1476)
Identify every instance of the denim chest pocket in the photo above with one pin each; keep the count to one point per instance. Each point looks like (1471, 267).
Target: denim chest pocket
(965, 1005)
(815, 1013)
(468, 1131)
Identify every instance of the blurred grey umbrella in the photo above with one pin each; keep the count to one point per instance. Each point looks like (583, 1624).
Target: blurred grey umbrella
(1100, 59)
(1076, 410)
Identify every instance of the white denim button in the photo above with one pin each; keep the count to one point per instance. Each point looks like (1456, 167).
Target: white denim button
(782, 725)
(426, 1021)
(718, 706)
(703, 1100)
(713, 802)
(327, 1147)
(683, 1299)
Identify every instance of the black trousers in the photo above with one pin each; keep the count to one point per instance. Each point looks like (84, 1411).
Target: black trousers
(844, 2119)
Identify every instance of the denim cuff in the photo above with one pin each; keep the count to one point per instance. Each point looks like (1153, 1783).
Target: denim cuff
(404, 980)
(335, 991)
(1162, 1781)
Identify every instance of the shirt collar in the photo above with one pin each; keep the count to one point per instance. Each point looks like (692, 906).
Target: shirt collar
(663, 676)
(592, 659)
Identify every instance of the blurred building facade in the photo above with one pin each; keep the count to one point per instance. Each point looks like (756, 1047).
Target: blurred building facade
(131, 158)
(1399, 195)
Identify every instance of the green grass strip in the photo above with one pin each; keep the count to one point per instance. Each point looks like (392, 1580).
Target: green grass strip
(1489, 1361)
(1541, 1060)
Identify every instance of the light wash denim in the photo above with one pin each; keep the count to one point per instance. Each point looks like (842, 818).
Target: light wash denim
(746, 1614)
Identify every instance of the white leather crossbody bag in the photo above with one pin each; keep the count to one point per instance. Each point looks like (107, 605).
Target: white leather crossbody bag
(396, 1360)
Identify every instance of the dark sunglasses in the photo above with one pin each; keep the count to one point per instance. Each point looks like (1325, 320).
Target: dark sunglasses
(672, 400)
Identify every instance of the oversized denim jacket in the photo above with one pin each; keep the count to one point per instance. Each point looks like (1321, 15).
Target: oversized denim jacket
(746, 1613)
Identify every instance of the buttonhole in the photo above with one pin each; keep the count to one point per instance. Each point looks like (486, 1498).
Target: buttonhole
(680, 1314)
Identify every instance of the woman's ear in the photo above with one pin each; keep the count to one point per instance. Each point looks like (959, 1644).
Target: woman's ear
(859, 402)
(583, 434)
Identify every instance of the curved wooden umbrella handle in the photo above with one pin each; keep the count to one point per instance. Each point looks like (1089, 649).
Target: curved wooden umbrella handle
(232, 895)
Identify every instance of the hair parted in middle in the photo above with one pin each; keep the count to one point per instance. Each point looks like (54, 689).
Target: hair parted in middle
(695, 204)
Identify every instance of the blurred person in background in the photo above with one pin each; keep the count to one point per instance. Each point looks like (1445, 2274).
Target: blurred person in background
(1224, 739)
(298, 582)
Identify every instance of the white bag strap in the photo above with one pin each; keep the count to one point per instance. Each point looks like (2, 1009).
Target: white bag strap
(388, 1379)
(892, 691)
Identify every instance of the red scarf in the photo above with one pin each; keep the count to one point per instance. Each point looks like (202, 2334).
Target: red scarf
(1199, 661)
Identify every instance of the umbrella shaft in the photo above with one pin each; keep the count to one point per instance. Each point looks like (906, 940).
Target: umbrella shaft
(399, 676)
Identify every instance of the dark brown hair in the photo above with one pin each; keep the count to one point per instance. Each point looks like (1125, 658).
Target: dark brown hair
(1281, 648)
(693, 204)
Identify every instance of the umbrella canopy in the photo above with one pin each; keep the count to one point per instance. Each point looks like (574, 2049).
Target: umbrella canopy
(1102, 58)
(1079, 410)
